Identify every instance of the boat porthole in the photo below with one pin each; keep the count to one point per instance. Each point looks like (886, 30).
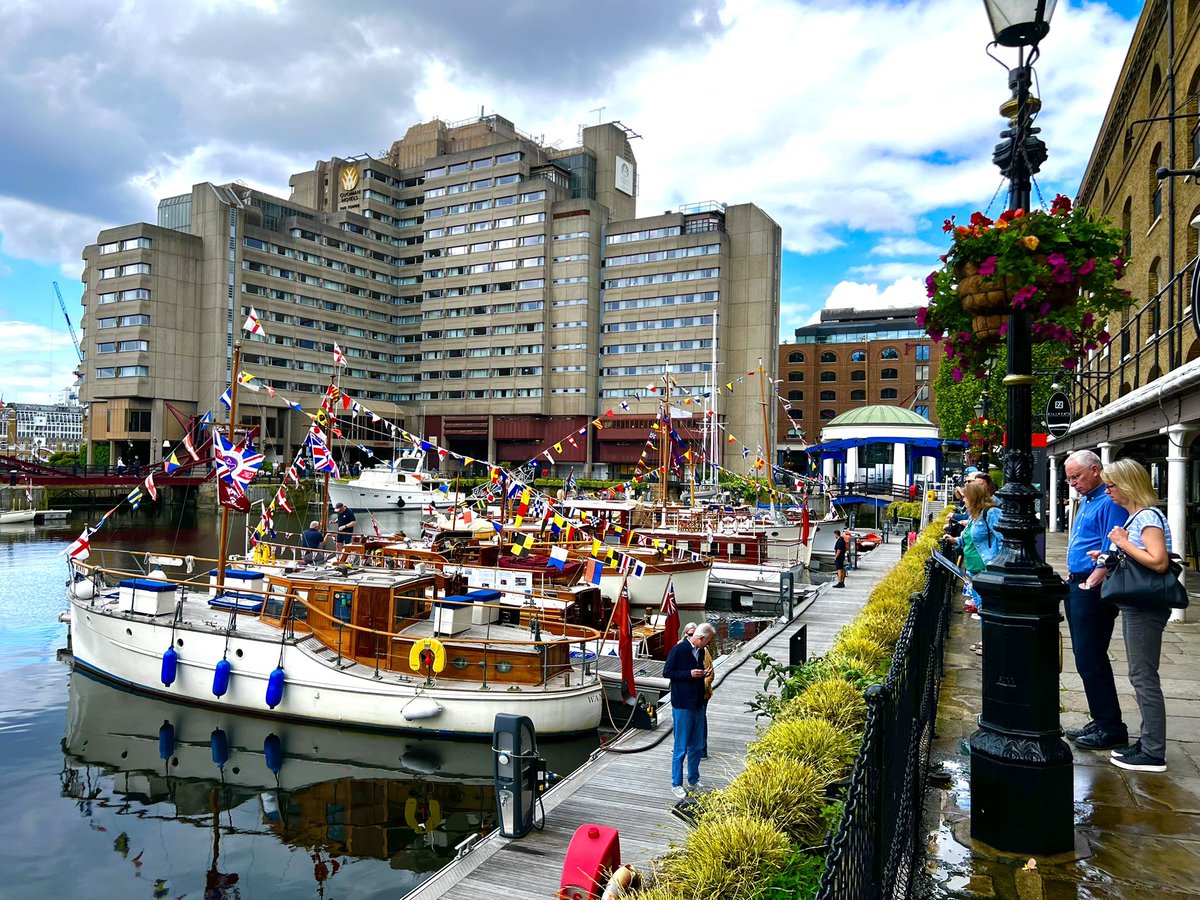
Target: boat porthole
(129, 632)
(180, 642)
(460, 662)
(504, 667)
(124, 754)
(174, 760)
(238, 654)
(236, 770)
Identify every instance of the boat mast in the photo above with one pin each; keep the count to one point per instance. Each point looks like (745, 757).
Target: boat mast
(762, 389)
(233, 398)
(664, 438)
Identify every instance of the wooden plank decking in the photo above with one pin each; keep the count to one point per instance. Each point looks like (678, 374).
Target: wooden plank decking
(629, 787)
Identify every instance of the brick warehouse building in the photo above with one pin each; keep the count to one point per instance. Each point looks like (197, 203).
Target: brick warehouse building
(488, 291)
(848, 360)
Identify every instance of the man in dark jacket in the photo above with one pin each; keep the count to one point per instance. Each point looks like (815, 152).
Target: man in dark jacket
(686, 671)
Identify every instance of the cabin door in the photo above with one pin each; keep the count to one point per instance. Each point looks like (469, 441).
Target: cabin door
(374, 613)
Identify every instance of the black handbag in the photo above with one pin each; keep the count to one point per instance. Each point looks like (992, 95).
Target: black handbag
(1129, 583)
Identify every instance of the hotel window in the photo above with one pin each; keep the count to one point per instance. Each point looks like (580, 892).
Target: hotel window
(829, 376)
(795, 376)
(795, 395)
(888, 394)
(923, 349)
(889, 374)
(829, 396)
(922, 373)
(796, 357)
(858, 395)
(921, 411)
(109, 248)
(795, 414)
(858, 356)
(828, 357)
(827, 414)
(889, 353)
(858, 375)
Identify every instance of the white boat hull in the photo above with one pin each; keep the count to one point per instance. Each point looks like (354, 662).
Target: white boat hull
(763, 576)
(17, 516)
(359, 496)
(691, 588)
(127, 648)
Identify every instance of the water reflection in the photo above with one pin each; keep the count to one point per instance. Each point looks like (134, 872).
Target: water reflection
(339, 796)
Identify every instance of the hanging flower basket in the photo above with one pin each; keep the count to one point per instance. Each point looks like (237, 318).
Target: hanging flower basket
(1061, 266)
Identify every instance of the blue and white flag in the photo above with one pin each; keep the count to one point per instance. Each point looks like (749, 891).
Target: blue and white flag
(227, 398)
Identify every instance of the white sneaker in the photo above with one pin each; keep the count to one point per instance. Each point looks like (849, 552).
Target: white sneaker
(698, 786)
(678, 791)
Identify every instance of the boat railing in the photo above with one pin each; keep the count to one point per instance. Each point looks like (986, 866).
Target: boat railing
(391, 650)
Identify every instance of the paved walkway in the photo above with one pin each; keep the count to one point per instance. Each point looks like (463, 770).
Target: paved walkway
(1141, 831)
(631, 789)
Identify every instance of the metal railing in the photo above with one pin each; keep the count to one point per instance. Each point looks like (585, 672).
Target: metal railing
(875, 851)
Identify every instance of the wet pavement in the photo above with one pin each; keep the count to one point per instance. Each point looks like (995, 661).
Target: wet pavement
(1137, 834)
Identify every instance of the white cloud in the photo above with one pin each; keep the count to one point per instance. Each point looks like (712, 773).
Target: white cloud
(43, 234)
(907, 291)
(906, 246)
(38, 362)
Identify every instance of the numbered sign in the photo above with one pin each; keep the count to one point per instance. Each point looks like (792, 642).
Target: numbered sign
(1058, 414)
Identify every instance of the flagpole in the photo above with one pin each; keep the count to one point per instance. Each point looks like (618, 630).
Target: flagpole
(454, 509)
(762, 390)
(233, 398)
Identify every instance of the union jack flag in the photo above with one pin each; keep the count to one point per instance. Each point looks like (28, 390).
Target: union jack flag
(339, 358)
(236, 465)
(322, 457)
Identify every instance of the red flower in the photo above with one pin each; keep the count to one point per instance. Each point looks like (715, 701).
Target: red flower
(987, 267)
(979, 220)
(1061, 205)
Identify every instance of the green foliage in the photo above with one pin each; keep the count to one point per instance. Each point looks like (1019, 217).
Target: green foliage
(725, 859)
(799, 880)
(64, 458)
(100, 455)
(903, 509)
(785, 792)
(792, 680)
(825, 747)
(836, 701)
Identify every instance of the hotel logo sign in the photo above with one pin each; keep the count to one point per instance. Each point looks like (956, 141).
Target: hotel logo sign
(349, 197)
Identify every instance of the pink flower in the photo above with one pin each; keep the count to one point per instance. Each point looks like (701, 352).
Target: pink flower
(988, 266)
(1004, 328)
(930, 285)
(1104, 337)
(923, 313)
(957, 373)
(1087, 319)
(1119, 265)
(1022, 297)
(1086, 268)
(1069, 363)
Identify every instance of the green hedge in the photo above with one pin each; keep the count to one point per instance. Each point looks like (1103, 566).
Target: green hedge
(772, 824)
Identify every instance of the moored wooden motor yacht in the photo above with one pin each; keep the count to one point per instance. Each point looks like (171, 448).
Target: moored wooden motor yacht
(360, 647)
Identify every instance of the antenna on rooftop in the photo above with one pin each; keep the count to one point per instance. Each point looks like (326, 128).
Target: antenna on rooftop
(599, 111)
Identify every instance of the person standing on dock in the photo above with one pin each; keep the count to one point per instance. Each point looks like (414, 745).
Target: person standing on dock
(686, 670)
(688, 631)
(839, 558)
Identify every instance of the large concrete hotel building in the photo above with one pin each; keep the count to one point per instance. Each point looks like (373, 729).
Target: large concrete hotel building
(489, 292)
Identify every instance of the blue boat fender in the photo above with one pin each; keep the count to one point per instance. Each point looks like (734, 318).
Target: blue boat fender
(273, 752)
(275, 687)
(221, 677)
(170, 666)
(220, 748)
(166, 740)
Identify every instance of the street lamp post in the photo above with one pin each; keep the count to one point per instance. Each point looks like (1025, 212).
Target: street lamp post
(1021, 769)
(981, 411)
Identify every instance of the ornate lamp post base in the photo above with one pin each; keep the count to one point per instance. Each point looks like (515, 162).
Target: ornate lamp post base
(1019, 761)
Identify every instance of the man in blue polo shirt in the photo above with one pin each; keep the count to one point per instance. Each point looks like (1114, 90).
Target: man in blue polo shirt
(686, 671)
(1089, 620)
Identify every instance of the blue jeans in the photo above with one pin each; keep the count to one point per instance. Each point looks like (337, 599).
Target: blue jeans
(1091, 625)
(689, 742)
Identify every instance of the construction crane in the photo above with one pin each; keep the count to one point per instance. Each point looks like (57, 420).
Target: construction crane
(71, 328)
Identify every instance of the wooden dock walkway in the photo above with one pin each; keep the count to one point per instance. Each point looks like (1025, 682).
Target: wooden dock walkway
(628, 785)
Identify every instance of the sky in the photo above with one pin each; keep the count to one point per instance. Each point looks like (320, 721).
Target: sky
(857, 126)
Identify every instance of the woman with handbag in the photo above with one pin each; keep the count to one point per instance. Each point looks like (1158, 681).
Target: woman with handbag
(1139, 557)
(980, 540)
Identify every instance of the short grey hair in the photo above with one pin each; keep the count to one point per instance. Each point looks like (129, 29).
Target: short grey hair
(1084, 458)
(705, 630)
(689, 627)
(314, 524)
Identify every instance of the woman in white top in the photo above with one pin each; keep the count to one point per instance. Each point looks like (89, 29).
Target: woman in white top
(1145, 538)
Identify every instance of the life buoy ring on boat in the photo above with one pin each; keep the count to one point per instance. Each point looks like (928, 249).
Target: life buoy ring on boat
(399, 503)
(264, 553)
(422, 815)
(427, 655)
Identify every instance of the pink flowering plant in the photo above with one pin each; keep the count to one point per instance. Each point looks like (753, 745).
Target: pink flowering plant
(1062, 266)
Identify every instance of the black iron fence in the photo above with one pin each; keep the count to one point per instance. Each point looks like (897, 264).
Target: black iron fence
(876, 850)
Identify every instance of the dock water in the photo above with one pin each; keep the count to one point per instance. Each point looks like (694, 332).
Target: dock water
(628, 786)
